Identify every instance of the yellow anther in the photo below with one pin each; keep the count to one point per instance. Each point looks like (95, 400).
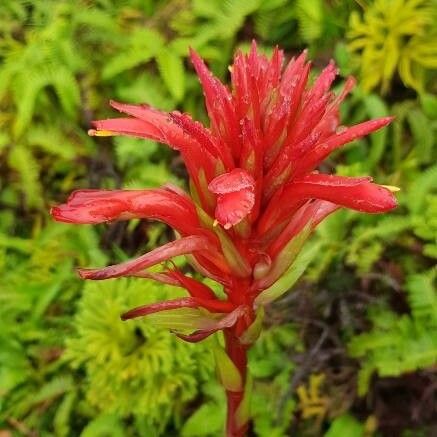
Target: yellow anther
(101, 133)
(391, 188)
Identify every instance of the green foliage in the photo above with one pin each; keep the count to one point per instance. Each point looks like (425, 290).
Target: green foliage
(149, 373)
(60, 63)
(345, 425)
(316, 22)
(400, 344)
(394, 36)
(104, 425)
(36, 297)
(271, 371)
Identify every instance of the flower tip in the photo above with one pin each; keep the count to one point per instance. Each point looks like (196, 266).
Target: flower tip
(389, 201)
(194, 56)
(95, 274)
(81, 273)
(59, 214)
(387, 120)
(116, 105)
(55, 212)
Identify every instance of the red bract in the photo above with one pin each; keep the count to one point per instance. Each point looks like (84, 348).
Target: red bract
(255, 192)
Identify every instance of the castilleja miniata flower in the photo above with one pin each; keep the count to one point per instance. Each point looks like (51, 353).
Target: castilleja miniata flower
(255, 196)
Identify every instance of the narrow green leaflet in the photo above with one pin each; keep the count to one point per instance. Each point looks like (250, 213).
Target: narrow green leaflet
(183, 319)
(228, 373)
(242, 414)
(376, 107)
(238, 264)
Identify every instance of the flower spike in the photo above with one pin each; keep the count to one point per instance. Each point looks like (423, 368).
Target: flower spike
(256, 196)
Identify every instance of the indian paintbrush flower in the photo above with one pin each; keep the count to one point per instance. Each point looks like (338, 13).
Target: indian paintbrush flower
(255, 196)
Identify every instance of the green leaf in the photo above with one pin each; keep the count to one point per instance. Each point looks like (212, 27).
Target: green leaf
(345, 425)
(242, 415)
(423, 135)
(106, 425)
(206, 421)
(289, 278)
(182, 319)
(238, 264)
(227, 371)
(63, 413)
(52, 389)
(171, 68)
(429, 105)
(376, 108)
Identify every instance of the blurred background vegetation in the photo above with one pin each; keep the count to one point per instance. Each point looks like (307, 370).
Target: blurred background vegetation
(352, 351)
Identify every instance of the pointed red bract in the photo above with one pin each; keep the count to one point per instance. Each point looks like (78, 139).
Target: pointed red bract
(191, 244)
(256, 193)
(184, 302)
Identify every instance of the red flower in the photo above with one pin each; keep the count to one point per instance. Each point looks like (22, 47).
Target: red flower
(253, 178)
(255, 196)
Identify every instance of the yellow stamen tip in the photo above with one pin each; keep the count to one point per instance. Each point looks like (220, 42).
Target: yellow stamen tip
(391, 188)
(215, 223)
(101, 133)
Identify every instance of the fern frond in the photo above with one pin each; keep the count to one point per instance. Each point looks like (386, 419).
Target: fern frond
(26, 91)
(136, 49)
(52, 140)
(422, 295)
(422, 185)
(171, 68)
(310, 16)
(405, 345)
(23, 162)
(366, 246)
(67, 89)
(232, 16)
